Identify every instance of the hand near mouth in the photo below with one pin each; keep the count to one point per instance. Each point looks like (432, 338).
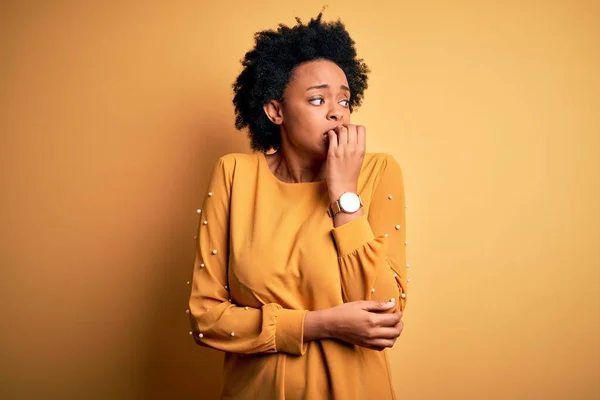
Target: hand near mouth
(344, 159)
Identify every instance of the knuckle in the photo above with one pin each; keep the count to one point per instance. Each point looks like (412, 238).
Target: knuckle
(371, 322)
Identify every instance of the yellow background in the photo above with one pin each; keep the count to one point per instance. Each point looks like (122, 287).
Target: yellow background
(113, 113)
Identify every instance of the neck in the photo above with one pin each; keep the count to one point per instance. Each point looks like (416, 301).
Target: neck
(297, 167)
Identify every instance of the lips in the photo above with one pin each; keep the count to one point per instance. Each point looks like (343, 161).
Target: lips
(330, 129)
(326, 134)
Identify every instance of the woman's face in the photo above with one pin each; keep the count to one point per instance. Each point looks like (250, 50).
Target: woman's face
(316, 99)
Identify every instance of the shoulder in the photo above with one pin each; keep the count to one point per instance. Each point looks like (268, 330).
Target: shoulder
(379, 162)
(381, 170)
(237, 158)
(232, 161)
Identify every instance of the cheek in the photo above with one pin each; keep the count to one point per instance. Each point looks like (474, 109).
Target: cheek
(307, 119)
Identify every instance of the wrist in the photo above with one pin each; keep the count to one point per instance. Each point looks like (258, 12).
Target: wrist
(328, 322)
(317, 325)
(336, 192)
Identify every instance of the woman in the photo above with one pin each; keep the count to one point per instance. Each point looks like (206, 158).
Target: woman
(300, 273)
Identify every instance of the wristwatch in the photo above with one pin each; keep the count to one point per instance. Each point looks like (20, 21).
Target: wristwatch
(348, 202)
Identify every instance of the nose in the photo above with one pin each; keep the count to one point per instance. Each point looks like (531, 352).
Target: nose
(335, 114)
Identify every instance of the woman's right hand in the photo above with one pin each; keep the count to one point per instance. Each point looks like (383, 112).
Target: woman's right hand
(359, 323)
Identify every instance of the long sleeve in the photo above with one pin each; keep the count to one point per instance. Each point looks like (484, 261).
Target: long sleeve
(216, 321)
(371, 248)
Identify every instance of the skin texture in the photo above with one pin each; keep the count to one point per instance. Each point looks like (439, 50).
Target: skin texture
(319, 143)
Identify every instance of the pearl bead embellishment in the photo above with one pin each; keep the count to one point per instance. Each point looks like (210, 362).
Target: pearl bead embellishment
(214, 251)
(397, 227)
(199, 211)
(403, 295)
(200, 335)
(209, 194)
(232, 333)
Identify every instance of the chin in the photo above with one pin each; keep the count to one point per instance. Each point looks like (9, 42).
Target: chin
(321, 153)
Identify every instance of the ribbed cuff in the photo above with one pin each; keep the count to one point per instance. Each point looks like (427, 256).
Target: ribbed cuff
(352, 235)
(289, 331)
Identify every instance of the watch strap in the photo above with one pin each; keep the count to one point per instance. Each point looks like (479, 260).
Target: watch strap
(334, 208)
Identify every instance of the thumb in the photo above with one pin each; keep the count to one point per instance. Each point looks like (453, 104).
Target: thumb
(378, 305)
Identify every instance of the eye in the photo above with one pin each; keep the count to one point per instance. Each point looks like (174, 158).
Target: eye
(346, 102)
(312, 101)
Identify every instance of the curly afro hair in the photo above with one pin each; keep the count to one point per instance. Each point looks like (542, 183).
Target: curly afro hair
(268, 68)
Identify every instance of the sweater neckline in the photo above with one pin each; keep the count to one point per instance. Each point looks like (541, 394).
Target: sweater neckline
(263, 159)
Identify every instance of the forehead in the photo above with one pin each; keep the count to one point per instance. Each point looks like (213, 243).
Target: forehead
(318, 72)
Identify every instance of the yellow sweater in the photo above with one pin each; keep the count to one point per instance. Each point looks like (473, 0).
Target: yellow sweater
(267, 252)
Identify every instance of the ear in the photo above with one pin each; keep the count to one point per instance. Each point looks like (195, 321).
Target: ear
(274, 111)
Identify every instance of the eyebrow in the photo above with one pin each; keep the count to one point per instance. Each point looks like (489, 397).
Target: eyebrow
(326, 86)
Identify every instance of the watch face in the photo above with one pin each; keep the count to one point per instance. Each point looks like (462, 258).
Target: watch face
(349, 202)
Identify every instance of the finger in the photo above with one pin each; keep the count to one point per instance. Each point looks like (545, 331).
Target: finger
(352, 135)
(333, 140)
(386, 333)
(398, 312)
(386, 319)
(380, 344)
(361, 136)
(377, 305)
(342, 135)
(400, 326)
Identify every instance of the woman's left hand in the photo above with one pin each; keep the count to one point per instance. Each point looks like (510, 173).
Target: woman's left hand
(344, 159)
